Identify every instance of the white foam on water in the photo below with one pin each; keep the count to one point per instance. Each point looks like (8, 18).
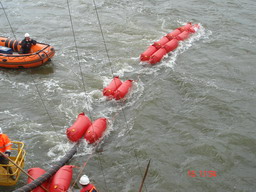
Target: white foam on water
(31, 129)
(60, 149)
(170, 59)
(20, 86)
(96, 96)
(7, 112)
(52, 85)
(79, 100)
(126, 69)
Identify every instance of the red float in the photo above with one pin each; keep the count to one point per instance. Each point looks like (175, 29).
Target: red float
(96, 130)
(184, 35)
(164, 46)
(171, 45)
(61, 180)
(146, 54)
(185, 27)
(173, 34)
(194, 28)
(123, 90)
(112, 87)
(78, 129)
(157, 56)
(161, 42)
(35, 173)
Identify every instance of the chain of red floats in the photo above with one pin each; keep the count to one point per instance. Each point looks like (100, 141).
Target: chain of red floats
(168, 43)
(83, 127)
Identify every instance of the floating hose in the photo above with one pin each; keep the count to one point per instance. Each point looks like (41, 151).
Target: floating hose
(29, 187)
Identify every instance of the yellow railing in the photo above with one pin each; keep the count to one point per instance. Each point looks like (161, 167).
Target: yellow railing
(18, 156)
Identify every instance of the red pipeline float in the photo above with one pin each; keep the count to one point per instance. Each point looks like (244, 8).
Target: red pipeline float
(84, 127)
(123, 89)
(78, 129)
(61, 180)
(96, 130)
(112, 87)
(36, 173)
(117, 89)
(168, 43)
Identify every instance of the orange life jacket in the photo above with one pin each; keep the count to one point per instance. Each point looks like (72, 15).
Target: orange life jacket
(5, 143)
(89, 188)
(93, 189)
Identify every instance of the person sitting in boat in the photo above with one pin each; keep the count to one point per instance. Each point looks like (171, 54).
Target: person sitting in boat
(87, 186)
(5, 148)
(26, 44)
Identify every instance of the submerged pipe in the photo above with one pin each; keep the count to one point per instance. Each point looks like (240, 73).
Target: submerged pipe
(29, 187)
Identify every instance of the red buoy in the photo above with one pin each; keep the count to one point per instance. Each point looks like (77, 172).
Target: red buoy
(173, 34)
(184, 35)
(157, 56)
(123, 90)
(96, 130)
(78, 129)
(61, 180)
(112, 87)
(171, 45)
(35, 173)
(185, 27)
(146, 54)
(161, 42)
(194, 28)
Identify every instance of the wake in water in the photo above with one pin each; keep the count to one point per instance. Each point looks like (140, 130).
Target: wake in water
(112, 109)
(73, 101)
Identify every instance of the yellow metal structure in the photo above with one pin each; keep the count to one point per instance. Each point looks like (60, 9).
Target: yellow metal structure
(18, 156)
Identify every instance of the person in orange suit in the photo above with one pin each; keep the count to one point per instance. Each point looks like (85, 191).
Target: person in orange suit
(87, 186)
(5, 147)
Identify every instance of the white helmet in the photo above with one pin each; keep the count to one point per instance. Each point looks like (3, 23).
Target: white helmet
(27, 35)
(1, 131)
(84, 180)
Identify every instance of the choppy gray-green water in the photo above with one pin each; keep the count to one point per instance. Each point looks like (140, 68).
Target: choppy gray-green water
(194, 111)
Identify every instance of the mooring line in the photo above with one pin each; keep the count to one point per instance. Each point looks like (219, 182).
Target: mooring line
(110, 64)
(8, 21)
(73, 31)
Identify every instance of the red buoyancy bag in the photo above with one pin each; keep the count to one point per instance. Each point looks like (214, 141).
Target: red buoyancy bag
(78, 129)
(112, 87)
(157, 56)
(194, 28)
(173, 34)
(171, 45)
(96, 130)
(184, 35)
(146, 54)
(123, 90)
(35, 173)
(185, 27)
(161, 42)
(61, 179)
